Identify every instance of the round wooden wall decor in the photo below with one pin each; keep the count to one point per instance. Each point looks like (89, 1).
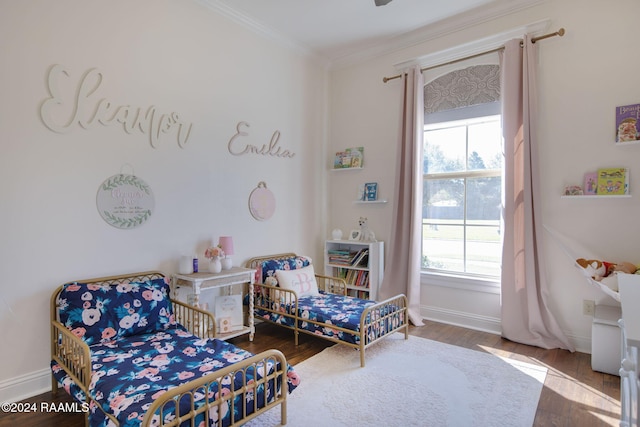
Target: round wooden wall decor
(125, 201)
(262, 202)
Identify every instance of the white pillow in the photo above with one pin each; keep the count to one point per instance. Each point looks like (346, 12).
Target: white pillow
(301, 280)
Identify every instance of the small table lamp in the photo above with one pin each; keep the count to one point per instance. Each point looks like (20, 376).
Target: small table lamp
(226, 243)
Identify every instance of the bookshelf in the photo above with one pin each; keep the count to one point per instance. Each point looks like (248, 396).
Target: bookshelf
(361, 264)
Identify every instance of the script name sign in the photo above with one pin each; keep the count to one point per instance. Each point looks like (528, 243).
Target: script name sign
(239, 148)
(125, 201)
(62, 112)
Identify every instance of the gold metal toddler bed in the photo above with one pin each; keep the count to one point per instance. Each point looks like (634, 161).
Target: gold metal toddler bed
(132, 356)
(289, 293)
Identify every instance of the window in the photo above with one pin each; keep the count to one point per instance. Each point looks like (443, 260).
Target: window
(462, 196)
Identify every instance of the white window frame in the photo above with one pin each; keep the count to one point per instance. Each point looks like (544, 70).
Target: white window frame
(471, 119)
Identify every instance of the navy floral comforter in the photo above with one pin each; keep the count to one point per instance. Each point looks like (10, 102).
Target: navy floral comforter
(330, 310)
(130, 372)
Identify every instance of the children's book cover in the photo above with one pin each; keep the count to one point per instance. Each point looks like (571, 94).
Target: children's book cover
(590, 183)
(340, 160)
(627, 118)
(357, 156)
(613, 181)
(371, 191)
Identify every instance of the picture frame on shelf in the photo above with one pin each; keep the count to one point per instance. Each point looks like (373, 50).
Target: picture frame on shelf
(371, 191)
(355, 235)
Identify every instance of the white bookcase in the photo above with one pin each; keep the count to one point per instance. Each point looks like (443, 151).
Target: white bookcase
(364, 276)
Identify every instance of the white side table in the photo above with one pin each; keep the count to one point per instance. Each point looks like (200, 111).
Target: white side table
(199, 282)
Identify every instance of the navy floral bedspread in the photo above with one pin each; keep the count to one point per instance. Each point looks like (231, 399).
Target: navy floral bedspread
(328, 309)
(130, 372)
(139, 351)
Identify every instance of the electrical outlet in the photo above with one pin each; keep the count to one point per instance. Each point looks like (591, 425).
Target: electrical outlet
(588, 307)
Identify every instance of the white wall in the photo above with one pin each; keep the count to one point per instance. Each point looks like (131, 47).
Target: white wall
(583, 77)
(179, 57)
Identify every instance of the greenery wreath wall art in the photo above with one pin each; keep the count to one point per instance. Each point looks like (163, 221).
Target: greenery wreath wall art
(125, 201)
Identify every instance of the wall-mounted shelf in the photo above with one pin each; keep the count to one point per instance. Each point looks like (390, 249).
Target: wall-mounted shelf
(364, 202)
(589, 196)
(346, 169)
(627, 143)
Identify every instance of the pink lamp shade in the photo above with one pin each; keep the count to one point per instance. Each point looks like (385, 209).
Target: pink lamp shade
(226, 243)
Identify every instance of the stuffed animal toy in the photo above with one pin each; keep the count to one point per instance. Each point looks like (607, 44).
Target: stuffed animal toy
(625, 267)
(271, 281)
(594, 268)
(365, 232)
(605, 272)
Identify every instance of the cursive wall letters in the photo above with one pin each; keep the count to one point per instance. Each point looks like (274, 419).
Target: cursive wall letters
(271, 149)
(104, 112)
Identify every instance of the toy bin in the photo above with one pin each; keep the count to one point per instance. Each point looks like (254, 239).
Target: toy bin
(606, 340)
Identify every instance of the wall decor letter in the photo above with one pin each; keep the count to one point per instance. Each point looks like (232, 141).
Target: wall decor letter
(83, 110)
(272, 149)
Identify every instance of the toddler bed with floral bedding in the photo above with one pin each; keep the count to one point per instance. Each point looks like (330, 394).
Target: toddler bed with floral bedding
(289, 293)
(133, 357)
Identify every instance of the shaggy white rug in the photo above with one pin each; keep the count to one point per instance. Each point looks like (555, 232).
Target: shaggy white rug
(415, 382)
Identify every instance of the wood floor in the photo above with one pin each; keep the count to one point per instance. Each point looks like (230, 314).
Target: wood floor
(573, 394)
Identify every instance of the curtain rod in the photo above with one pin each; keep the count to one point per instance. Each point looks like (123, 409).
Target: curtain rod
(560, 33)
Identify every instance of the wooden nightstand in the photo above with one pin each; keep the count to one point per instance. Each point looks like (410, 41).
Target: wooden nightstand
(184, 284)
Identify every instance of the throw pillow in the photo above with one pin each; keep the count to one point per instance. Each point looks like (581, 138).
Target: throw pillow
(142, 307)
(301, 280)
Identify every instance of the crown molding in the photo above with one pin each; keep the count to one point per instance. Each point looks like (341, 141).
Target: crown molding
(477, 46)
(438, 29)
(262, 30)
(432, 31)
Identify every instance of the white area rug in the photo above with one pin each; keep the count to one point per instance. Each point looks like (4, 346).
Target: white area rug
(415, 382)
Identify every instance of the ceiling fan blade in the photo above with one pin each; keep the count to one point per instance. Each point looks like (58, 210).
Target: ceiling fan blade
(381, 2)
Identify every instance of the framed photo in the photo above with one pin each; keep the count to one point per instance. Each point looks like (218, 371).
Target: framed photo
(355, 235)
(228, 313)
(371, 191)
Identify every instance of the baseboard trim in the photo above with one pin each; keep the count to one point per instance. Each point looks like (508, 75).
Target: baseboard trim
(458, 318)
(488, 324)
(25, 386)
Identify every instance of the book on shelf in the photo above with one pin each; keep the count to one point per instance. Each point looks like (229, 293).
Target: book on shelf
(627, 117)
(340, 256)
(348, 258)
(359, 294)
(361, 259)
(357, 278)
(357, 156)
(590, 183)
(371, 191)
(613, 181)
(349, 158)
(342, 160)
